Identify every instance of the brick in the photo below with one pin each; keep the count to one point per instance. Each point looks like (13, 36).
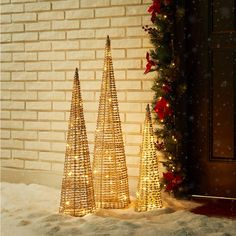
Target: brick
(127, 64)
(38, 26)
(39, 46)
(60, 126)
(51, 96)
(126, 43)
(52, 156)
(37, 125)
(37, 66)
(5, 115)
(64, 65)
(12, 163)
(12, 85)
(98, 64)
(133, 171)
(93, 4)
(131, 107)
(80, 14)
(52, 35)
(80, 55)
(12, 28)
(136, 53)
(65, 24)
(140, 96)
(19, 1)
(24, 115)
(126, 21)
(83, 75)
(146, 43)
(135, 74)
(51, 56)
(91, 44)
(25, 154)
(135, 31)
(24, 135)
(38, 106)
(137, 10)
(95, 23)
(5, 19)
(24, 56)
(51, 136)
(24, 17)
(135, 117)
(5, 38)
(12, 66)
(68, 85)
(125, 2)
(12, 8)
(5, 76)
(5, 95)
(69, 4)
(128, 85)
(90, 85)
(10, 143)
(51, 116)
(5, 154)
(24, 76)
(12, 47)
(59, 147)
(131, 128)
(36, 165)
(112, 32)
(65, 45)
(24, 37)
(80, 34)
(5, 57)
(37, 145)
(61, 106)
(8, 124)
(133, 139)
(132, 150)
(23, 95)
(110, 11)
(52, 75)
(5, 134)
(131, 160)
(39, 6)
(57, 167)
(15, 105)
(147, 85)
(57, 15)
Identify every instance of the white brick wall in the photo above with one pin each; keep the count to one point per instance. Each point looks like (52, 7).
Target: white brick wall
(43, 42)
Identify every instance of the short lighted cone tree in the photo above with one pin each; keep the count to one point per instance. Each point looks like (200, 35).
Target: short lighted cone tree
(77, 193)
(109, 164)
(149, 192)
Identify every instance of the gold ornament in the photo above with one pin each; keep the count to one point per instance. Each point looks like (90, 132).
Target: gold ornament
(77, 194)
(109, 164)
(149, 192)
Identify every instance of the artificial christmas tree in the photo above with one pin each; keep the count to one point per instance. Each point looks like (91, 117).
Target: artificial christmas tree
(109, 164)
(149, 192)
(77, 194)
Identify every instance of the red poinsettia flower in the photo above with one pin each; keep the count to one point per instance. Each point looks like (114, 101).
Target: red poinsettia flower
(162, 108)
(149, 64)
(155, 8)
(172, 180)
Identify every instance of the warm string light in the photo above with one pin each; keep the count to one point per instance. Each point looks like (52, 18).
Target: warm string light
(77, 194)
(149, 192)
(109, 163)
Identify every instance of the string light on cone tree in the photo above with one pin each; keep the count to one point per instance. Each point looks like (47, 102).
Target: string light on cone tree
(149, 191)
(109, 164)
(168, 88)
(77, 193)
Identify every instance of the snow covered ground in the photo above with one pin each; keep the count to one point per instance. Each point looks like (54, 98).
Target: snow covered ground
(32, 210)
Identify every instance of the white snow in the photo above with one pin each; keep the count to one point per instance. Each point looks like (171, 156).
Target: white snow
(32, 210)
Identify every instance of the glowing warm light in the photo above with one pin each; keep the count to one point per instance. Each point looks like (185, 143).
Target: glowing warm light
(149, 192)
(77, 196)
(109, 156)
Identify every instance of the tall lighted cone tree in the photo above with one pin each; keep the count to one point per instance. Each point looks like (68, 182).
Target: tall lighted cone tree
(149, 192)
(109, 164)
(77, 194)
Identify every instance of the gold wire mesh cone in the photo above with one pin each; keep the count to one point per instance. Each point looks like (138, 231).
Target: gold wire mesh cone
(109, 164)
(149, 192)
(77, 194)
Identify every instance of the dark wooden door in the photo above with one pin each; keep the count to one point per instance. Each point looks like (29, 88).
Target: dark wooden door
(211, 50)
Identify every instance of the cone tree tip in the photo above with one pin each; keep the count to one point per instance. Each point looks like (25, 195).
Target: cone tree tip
(76, 73)
(148, 108)
(108, 41)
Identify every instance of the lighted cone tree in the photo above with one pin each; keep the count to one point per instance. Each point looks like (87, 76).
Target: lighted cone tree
(149, 192)
(77, 194)
(109, 164)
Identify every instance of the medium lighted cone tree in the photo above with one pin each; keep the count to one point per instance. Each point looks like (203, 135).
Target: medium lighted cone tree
(149, 192)
(109, 164)
(77, 193)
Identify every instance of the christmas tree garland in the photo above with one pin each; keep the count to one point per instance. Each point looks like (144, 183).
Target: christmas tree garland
(168, 90)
